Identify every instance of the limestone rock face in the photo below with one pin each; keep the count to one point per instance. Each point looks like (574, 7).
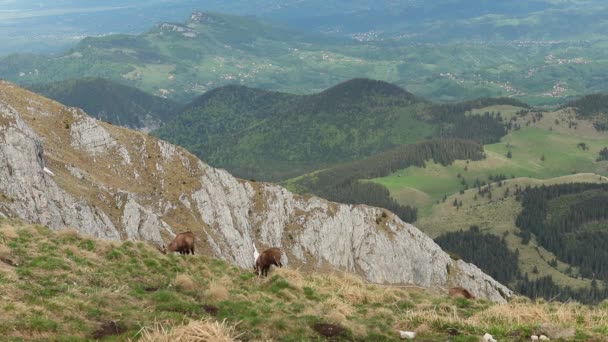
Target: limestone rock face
(30, 193)
(114, 183)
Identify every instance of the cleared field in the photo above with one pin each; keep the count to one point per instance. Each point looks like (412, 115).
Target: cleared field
(538, 151)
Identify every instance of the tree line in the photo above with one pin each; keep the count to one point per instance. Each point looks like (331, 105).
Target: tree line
(486, 128)
(486, 251)
(570, 220)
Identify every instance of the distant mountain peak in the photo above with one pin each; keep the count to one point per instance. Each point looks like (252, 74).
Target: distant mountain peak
(179, 28)
(358, 87)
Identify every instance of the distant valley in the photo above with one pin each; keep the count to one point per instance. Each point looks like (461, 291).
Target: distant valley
(183, 60)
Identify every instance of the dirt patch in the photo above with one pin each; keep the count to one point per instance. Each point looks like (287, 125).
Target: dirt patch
(9, 261)
(210, 309)
(109, 328)
(151, 288)
(332, 332)
(453, 331)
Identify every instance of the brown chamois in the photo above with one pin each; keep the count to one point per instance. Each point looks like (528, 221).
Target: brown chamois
(271, 256)
(183, 243)
(461, 292)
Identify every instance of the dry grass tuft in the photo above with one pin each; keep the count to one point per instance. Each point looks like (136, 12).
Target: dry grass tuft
(102, 247)
(353, 294)
(185, 283)
(68, 232)
(294, 277)
(216, 292)
(336, 304)
(5, 252)
(537, 313)
(8, 233)
(205, 330)
(423, 329)
(335, 317)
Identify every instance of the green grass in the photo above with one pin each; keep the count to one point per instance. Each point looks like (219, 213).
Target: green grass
(74, 301)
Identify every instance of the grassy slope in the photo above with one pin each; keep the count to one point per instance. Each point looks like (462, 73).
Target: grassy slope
(62, 286)
(558, 143)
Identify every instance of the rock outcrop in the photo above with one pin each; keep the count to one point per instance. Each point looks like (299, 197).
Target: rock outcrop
(114, 183)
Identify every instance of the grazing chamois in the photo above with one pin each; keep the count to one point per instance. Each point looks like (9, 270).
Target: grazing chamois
(461, 292)
(271, 256)
(183, 244)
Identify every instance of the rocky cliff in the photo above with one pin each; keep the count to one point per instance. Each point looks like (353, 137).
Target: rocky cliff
(61, 168)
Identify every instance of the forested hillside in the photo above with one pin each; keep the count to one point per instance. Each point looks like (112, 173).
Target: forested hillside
(274, 136)
(570, 220)
(270, 136)
(111, 102)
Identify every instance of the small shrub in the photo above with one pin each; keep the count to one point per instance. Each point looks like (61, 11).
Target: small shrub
(277, 284)
(114, 254)
(37, 323)
(87, 245)
(185, 283)
(48, 263)
(216, 293)
(310, 294)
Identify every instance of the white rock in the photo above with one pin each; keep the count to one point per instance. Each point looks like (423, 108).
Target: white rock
(46, 169)
(534, 338)
(409, 335)
(488, 338)
(87, 134)
(543, 338)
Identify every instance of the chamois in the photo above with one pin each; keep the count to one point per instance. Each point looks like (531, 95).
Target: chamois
(183, 243)
(271, 256)
(461, 292)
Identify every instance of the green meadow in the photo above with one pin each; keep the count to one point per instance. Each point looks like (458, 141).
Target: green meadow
(537, 151)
